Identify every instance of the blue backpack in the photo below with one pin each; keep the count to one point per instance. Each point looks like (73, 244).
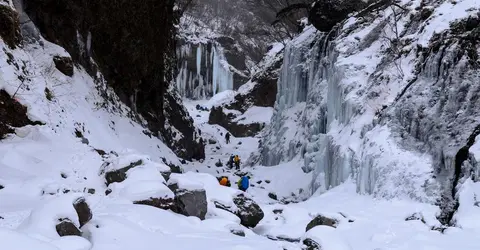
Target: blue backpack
(245, 182)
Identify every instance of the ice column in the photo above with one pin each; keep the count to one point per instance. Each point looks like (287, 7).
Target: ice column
(222, 77)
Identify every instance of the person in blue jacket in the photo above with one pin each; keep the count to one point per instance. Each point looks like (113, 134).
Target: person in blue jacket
(243, 183)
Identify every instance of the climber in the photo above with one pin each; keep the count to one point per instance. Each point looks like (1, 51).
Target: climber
(230, 161)
(224, 181)
(227, 137)
(243, 183)
(236, 160)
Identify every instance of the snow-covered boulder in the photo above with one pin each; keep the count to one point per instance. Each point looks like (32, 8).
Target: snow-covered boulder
(247, 210)
(118, 168)
(320, 220)
(119, 175)
(139, 180)
(65, 227)
(324, 238)
(190, 196)
(58, 216)
(83, 211)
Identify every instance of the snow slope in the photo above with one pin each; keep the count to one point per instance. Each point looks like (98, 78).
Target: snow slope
(44, 168)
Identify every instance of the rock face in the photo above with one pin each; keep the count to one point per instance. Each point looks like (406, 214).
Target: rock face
(122, 37)
(264, 91)
(12, 114)
(217, 116)
(327, 13)
(190, 202)
(9, 26)
(248, 211)
(64, 65)
(321, 220)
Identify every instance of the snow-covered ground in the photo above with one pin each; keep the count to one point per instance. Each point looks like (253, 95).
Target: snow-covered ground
(44, 169)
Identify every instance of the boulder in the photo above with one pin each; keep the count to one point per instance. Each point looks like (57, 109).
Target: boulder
(162, 203)
(311, 244)
(83, 211)
(248, 211)
(166, 175)
(211, 141)
(120, 175)
(190, 202)
(64, 64)
(321, 220)
(237, 232)
(66, 227)
(272, 196)
(9, 26)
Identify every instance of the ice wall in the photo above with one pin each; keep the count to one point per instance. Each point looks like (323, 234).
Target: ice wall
(332, 92)
(202, 70)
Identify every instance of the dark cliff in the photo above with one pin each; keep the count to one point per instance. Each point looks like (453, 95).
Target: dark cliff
(133, 44)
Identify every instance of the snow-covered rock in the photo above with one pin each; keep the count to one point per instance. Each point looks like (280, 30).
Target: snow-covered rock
(324, 238)
(190, 196)
(246, 209)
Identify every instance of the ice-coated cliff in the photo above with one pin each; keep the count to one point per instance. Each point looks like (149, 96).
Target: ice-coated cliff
(203, 70)
(388, 98)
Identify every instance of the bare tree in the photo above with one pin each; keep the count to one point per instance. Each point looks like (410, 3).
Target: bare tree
(393, 43)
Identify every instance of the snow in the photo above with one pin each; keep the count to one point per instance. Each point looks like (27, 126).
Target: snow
(255, 114)
(72, 243)
(185, 181)
(221, 98)
(444, 14)
(16, 241)
(327, 156)
(328, 238)
(43, 218)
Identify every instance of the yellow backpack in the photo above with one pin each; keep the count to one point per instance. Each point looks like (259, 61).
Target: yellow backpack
(236, 159)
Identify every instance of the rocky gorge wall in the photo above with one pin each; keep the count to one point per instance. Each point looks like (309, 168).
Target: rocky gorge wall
(387, 97)
(120, 40)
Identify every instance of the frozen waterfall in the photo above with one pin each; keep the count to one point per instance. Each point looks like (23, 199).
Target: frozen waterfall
(310, 103)
(202, 71)
(325, 116)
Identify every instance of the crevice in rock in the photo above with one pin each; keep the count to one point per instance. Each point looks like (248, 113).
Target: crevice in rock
(450, 204)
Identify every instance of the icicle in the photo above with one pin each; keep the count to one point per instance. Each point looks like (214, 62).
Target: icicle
(199, 59)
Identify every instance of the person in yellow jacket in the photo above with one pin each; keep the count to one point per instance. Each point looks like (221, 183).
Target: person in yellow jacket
(236, 160)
